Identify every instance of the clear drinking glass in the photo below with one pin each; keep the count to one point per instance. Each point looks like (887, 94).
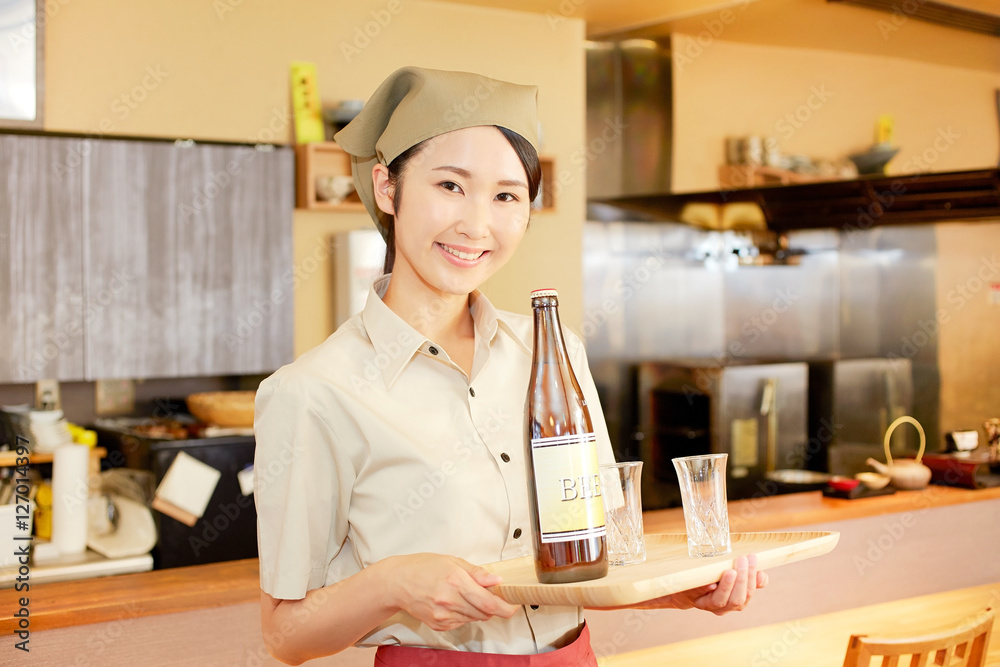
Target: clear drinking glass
(620, 488)
(703, 494)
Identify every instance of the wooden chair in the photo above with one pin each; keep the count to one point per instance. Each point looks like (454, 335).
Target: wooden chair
(963, 646)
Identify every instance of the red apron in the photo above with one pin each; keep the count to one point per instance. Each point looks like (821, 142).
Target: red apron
(577, 654)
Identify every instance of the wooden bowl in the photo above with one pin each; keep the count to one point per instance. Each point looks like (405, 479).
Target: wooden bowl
(232, 409)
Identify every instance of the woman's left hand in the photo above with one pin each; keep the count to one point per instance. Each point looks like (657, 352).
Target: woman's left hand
(731, 593)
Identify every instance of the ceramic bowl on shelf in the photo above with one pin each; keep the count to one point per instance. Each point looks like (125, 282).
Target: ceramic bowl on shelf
(874, 160)
(334, 189)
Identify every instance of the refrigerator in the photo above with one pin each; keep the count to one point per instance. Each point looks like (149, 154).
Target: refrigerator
(358, 258)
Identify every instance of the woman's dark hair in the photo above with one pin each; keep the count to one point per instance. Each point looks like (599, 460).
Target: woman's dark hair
(525, 152)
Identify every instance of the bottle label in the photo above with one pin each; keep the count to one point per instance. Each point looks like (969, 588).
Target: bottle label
(568, 484)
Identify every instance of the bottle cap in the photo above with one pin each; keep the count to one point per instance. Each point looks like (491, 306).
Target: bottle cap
(543, 292)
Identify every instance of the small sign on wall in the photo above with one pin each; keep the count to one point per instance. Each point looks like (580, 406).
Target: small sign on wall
(994, 294)
(744, 438)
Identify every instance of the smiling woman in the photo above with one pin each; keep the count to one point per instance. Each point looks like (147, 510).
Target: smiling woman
(392, 176)
(395, 449)
(467, 203)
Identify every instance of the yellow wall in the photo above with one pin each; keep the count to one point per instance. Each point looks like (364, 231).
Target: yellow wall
(726, 89)
(968, 302)
(219, 70)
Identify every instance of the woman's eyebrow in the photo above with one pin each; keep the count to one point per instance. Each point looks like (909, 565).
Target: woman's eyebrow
(507, 183)
(457, 170)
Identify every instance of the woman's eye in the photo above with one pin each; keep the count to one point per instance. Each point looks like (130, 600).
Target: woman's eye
(506, 196)
(451, 186)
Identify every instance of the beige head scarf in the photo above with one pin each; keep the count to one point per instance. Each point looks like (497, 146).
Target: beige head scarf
(415, 104)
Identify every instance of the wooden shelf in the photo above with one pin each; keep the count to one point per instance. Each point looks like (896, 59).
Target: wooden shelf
(883, 200)
(314, 161)
(8, 459)
(548, 187)
(326, 158)
(346, 207)
(733, 176)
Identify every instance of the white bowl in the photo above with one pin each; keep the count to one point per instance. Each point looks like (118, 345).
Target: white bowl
(872, 480)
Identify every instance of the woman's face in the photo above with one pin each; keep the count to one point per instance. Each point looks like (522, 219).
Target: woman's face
(463, 210)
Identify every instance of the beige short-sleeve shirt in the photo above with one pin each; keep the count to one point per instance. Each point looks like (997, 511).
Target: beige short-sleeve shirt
(375, 444)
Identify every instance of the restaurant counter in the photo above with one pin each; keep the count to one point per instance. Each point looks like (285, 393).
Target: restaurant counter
(821, 641)
(891, 547)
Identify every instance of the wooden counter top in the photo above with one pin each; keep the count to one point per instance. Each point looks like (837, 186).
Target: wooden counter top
(820, 641)
(810, 508)
(86, 601)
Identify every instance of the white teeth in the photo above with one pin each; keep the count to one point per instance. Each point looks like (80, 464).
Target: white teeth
(464, 255)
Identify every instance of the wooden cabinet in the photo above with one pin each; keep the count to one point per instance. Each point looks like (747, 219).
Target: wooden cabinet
(41, 258)
(132, 255)
(136, 259)
(234, 275)
(190, 260)
(326, 159)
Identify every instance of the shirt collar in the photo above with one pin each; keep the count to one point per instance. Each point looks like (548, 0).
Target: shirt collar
(488, 319)
(395, 341)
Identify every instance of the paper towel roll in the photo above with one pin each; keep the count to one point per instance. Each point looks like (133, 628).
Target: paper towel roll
(70, 467)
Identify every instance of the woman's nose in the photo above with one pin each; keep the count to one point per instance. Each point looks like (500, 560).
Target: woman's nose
(474, 222)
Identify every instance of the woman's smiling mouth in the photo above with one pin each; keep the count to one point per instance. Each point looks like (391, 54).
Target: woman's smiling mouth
(461, 254)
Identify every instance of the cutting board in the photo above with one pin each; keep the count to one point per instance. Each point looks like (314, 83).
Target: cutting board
(668, 569)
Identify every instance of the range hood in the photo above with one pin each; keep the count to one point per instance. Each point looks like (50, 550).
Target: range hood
(856, 204)
(629, 118)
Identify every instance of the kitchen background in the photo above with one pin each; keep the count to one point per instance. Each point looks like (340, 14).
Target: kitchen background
(812, 74)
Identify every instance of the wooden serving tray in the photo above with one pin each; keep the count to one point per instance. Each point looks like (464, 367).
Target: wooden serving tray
(668, 569)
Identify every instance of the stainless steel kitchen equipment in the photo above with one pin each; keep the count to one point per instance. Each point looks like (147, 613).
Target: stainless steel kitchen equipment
(629, 118)
(852, 402)
(661, 292)
(670, 291)
(755, 412)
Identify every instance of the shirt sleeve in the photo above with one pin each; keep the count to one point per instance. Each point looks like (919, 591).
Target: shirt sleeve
(581, 368)
(302, 488)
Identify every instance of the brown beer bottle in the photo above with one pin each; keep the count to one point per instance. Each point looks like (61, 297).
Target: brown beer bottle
(563, 476)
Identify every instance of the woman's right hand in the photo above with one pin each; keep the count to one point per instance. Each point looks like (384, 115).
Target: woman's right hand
(443, 592)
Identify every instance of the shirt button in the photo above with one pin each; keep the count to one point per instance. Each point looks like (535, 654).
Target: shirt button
(433, 350)
(472, 392)
(534, 606)
(517, 533)
(505, 458)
